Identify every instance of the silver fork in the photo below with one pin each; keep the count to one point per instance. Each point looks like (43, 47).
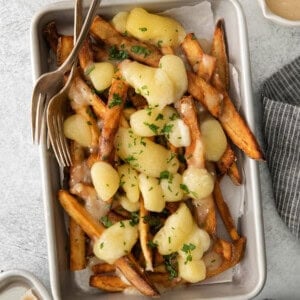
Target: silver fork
(50, 83)
(58, 105)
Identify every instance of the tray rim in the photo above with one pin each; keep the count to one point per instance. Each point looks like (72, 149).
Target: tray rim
(253, 165)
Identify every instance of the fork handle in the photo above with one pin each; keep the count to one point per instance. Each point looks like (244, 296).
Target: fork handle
(66, 66)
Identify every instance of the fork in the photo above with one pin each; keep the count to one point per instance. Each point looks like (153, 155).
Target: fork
(50, 83)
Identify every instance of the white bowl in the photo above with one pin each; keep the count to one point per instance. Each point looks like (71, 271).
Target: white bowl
(268, 14)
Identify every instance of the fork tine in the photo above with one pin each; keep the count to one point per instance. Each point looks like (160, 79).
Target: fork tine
(40, 111)
(63, 141)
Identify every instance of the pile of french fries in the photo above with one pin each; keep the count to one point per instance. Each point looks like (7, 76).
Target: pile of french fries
(151, 138)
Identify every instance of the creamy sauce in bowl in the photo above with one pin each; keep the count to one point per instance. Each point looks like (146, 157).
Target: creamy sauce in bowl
(287, 9)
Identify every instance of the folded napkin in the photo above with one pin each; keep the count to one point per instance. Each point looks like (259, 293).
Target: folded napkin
(281, 124)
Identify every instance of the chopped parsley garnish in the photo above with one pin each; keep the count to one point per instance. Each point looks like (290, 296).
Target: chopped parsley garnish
(106, 221)
(134, 219)
(143, 29)
(151, 244)
(159, 117)
(159, 43)
(169, 239)
(122, 224)
(89, 123)
(167, 129)
(173, 117)
(101, 245)
(153, 127)
(89, 70)
(184, 188)
(129, 159)
(116, 100)
(171, 265)
(187, 249)
(164, 175)
(140, 50)
(115, 54)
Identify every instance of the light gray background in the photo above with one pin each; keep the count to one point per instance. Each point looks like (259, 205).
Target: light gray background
(22, 230)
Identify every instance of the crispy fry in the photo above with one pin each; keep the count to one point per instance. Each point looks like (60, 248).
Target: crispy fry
(226, 160)
(116, 101)
(138, 101)
(76, 211)
(139, 51)
(86, 55)
(144, 237)
(225, 212)
(238, 131)
(162, 279)
(202, 63)
(51, 35)
(236, 251)
(82, 95)
(126, 264)
(234, 174)
(208, 96)
(136, 275)
(100, 54)
(77, 246)
(64, 48)
(103, 268)
(221, 74)
(76, 152)
(167, 50)
(205, 214)
(88, 115)
(109, 283)
(194, 153)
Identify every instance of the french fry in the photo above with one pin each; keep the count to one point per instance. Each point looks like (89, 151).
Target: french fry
(77, 246)
(226, 160)
(51, 35)
(144, 237)
(86, 55)
(205, 214)
(234, 174)
(91, 121)
(126, 264)
(139, 51)
(109, 283)
(218, 50)
(238, 131)
(225, 212)
(202, 63)
(207, 95)
(82, 95)
(167, 50)
(64, 48)
(103, 268)
(138, 101)
(162, 279)
(194, 153)
(236, 251)
(116, 100)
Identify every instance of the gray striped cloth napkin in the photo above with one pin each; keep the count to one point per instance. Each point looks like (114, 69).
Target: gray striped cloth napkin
(281, 125)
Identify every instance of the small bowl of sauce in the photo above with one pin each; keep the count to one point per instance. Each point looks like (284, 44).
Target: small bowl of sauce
(283, 12)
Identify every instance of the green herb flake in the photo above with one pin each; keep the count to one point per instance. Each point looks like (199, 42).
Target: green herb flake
(184, 188)
(187, 249)
(102, 245)
(134, 219)
(106, 221)
(159, 117)
(116, 100)
(143, 29)
(152, 127)
(151, 244)
(167, 129)
(122, 225)
(115, 54)
(89, 123)
(159, 43)
(171, 265)
(140, 50)
(169, 239)
(89, 70)
(164, 175)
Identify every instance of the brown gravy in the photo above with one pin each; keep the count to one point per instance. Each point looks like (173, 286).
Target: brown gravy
(288, 9)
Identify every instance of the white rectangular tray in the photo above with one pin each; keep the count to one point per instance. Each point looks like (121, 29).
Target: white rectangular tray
(250, 276)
